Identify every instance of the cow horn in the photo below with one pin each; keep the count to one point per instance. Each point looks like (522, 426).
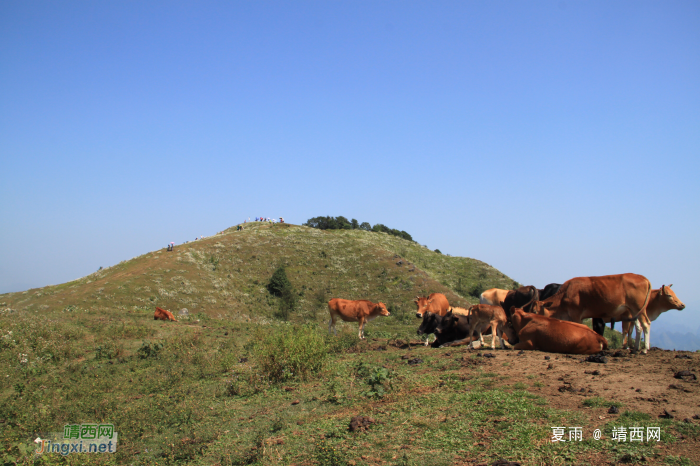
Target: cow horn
(670, 285)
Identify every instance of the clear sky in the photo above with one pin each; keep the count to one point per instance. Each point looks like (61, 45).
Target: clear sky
(548, 139)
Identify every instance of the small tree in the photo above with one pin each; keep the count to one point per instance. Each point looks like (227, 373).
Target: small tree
(279, 282)
(281, 287)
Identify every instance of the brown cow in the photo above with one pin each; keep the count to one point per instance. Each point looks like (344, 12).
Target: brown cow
(660, 301)
(361, 311)
(493, 296)
(436, 303)
(537, 332)
(614, 297)
(162, 314)
(482, 317)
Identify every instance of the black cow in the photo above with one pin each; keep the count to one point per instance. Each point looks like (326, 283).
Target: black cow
(548, 291)
(524, 298)
(454, 328)
(431, 322)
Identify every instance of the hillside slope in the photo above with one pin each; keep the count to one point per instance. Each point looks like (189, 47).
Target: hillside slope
(225, 275)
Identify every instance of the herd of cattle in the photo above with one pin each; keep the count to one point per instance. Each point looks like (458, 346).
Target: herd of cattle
(529, 318)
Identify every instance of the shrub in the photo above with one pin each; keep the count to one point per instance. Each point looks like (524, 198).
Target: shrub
(281, 287)
(342, 223)
(107, 350)
(279, 282)
(477, 290)
(149, 350)
(289, 352)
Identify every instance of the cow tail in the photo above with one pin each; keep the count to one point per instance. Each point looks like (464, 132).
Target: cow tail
(535, 297)
(646, 300)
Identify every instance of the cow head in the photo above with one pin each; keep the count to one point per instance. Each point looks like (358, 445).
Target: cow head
(429, 324)
(509, 333)
(538, 308)
(422, 305)
(670, 298)
(381, 308)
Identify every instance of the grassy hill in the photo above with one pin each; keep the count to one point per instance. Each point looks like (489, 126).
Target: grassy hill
(224, 276)
(231, 383)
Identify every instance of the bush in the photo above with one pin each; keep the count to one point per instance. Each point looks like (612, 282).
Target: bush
(279, 282)
(290, 352)
(342, 223)
(149, 350)
(281, 287)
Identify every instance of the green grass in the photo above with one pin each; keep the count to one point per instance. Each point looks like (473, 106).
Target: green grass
(232, 384)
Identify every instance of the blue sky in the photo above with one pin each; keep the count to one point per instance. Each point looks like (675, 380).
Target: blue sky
(548, 139)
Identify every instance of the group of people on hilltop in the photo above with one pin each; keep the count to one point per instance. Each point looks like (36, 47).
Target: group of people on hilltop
(268, 219)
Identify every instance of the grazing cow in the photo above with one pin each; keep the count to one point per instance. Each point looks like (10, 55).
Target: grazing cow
(549, 291)
(162, 314)
(660, 301)
(436, 302)
(610, 297)
(537, 332)
(493, 296)
(361, 311)
(524, 297)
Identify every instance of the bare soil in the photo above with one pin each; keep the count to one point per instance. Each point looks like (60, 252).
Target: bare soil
(640, 382)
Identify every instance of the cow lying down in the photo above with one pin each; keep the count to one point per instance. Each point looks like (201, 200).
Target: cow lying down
(458, 330)
(537, 332)
(430, 324)
(431, 320)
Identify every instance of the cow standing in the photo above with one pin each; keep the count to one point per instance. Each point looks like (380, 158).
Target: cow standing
(611, 297)
(480, 317)
(436, 303)
(660, 301)
(493, 296)
(361, 311)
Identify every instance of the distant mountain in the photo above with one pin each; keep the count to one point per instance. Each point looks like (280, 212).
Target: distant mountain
(675, 340)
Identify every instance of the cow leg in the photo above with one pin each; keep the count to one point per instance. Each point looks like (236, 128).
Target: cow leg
(638, 340)
(331, 325)
(500, 337)
(361, 334)
(470, 335)
(644, 325)
(463, 341)
(494, 330)
(626, 333)
(524, 345)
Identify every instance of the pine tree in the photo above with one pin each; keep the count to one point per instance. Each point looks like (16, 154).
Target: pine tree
(279, 282)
